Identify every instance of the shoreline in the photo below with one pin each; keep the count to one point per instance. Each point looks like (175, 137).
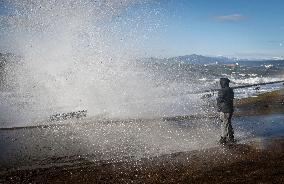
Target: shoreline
(264, 104)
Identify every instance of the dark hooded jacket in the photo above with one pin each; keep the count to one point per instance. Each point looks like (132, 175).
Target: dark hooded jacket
(225, 97)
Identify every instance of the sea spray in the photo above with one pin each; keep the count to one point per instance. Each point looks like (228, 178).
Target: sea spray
(79, 55)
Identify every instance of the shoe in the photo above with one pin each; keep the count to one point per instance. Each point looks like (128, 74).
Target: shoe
(222, 141)
(232, 141)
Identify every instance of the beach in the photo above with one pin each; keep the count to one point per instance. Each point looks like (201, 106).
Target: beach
(234, 164)
(257, 159)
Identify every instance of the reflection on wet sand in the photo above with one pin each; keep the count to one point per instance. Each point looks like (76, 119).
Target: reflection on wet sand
(237, 163)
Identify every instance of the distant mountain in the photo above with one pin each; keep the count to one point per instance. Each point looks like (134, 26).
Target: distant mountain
(200, 59)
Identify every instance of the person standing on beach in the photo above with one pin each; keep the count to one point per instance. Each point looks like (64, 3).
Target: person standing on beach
(226, 109)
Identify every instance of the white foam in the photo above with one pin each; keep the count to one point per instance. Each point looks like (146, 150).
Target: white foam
(255, 80)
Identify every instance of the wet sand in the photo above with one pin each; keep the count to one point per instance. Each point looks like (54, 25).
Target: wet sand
(261, 161)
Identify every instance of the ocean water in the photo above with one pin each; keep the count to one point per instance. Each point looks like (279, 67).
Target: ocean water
(204, 74)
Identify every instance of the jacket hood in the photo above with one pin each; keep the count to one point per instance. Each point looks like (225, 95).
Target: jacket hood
(224, 82)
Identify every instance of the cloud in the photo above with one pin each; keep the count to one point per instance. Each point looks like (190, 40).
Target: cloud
(230, 18)
(274, 42)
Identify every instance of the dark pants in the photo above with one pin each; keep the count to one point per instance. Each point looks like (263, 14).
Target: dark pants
(226, 124)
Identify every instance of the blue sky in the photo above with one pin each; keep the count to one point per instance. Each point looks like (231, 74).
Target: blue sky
(236, 28)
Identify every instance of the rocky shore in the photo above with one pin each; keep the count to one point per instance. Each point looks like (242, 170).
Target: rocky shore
(263, 104)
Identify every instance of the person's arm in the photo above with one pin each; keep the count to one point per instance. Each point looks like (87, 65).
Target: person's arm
(220, 99)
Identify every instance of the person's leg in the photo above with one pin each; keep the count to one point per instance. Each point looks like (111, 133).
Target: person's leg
(230, 128)
(226, 126)
(223, 128)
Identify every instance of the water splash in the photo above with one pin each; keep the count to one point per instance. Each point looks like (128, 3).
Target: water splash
(82, 55)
